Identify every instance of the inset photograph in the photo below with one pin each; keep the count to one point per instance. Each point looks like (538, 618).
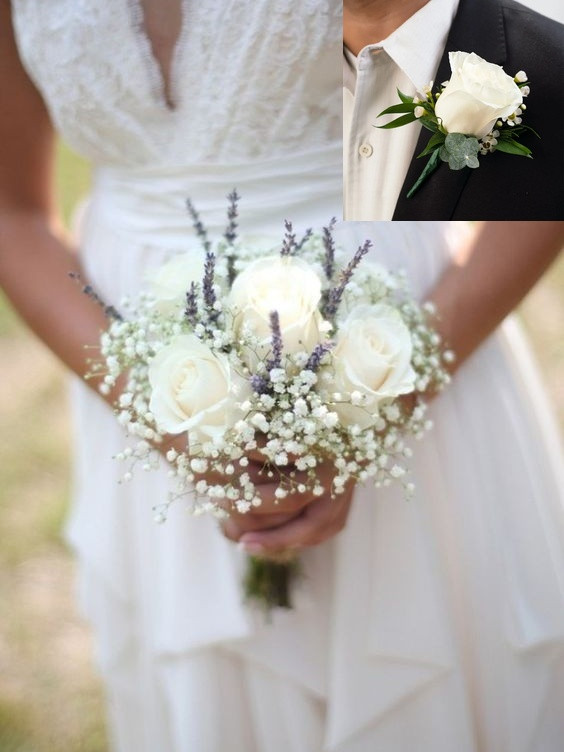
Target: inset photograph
(452, 109)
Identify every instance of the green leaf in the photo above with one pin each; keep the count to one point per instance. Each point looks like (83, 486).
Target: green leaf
(435, 142)
(430, 124)
(404, 120)
(528, 128)
(513, 147)
(429, 168)
(404, 98)
(404, 107)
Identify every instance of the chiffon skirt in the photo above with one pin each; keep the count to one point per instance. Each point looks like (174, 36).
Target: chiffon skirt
(435, 624)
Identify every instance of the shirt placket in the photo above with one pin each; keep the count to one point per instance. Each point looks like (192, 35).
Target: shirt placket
(361, 145)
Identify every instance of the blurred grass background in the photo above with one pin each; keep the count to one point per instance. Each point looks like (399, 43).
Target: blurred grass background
(50, 698)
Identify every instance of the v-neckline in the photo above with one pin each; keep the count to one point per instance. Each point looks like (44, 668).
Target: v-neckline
(163, 70)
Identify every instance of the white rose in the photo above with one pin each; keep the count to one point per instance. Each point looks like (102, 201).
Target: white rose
(477, 94)
(373, 358)
(193, 389)
(172, 280)
(287, 285)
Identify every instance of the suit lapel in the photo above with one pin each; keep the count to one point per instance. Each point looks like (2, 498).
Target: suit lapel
(477, 27)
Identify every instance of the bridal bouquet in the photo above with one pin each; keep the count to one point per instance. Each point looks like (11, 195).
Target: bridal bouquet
(299, 353)
(477, 111)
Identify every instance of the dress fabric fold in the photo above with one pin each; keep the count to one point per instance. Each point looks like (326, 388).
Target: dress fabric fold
(435, 621)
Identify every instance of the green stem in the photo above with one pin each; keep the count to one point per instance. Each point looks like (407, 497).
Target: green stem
(430, 167)
(269, 583)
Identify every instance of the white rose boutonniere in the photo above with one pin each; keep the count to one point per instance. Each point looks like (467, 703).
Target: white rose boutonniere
(477, 111)
(371, 362)
(192, 388)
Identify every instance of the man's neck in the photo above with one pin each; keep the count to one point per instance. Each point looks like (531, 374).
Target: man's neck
(369, 21)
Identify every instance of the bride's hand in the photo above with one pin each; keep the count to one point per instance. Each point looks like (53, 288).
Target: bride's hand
(272, 512)
(311, 520)
(300, 519)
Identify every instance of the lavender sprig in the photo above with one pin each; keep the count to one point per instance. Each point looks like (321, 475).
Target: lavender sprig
(317, 355)
(307, 235)
(90, 292)
(289, 244)
(336, 293)
(231, 233)
(259, 383)
(232, 213)
(276, 340)
(191, 310)
(329, 244)
(210, 297)
(197, 223)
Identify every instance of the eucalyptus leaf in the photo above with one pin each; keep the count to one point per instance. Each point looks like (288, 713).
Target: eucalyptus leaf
(453, 141)
(460, 151)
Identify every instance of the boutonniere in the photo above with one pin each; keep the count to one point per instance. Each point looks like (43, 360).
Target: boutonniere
(476, 112)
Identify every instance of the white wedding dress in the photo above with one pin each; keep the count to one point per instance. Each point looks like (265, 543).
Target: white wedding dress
(434, 625)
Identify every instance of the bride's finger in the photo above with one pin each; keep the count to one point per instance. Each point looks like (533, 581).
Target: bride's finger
(255, 455)
(254, 471)
(271, 503)
(234, 527)
(318, 522)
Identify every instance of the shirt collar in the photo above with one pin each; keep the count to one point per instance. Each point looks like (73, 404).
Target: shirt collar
(417, 45)
(349, 70)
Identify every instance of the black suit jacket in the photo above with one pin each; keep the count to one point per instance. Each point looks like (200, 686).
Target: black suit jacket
(504, 186)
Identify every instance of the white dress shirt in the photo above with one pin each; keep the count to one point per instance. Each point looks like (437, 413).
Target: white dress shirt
(376, 161)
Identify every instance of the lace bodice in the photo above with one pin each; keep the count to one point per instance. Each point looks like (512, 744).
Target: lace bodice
(248, 78)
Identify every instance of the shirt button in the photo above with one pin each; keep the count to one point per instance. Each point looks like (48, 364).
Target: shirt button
(365, 150)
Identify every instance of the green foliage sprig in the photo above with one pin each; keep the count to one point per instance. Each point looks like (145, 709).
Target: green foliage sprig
(458, 150)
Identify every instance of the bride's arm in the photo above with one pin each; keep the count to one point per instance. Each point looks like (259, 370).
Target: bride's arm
(35, 258)
(489, 278)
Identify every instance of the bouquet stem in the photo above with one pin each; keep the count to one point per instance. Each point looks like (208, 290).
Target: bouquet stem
(268, 582)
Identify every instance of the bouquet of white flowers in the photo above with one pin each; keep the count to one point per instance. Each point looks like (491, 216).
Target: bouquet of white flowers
(299, 353)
